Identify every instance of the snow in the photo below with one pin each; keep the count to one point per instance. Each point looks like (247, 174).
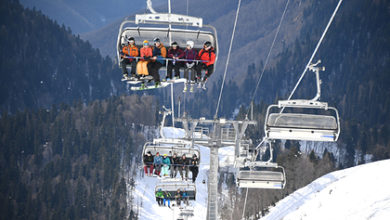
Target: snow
(361, 192)
(144, 189)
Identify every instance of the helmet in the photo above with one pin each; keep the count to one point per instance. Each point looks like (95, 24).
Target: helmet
(190, 43)
(174, 43)
(146, 42)
(165, 155)
(194, 155)
(155, 40)
(130, 39)
(207, 44)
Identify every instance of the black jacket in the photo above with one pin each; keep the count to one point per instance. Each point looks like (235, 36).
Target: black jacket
(148, 160)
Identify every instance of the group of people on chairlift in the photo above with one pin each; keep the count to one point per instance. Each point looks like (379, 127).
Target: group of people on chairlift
(164, 197)
(147, 61)
(164, 166)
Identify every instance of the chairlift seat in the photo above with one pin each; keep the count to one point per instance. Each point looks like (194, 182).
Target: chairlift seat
(172, 188)
(261, 179)
(170, 149)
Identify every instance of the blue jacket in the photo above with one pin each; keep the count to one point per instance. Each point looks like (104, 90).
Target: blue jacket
(157, 160)
(166, 161)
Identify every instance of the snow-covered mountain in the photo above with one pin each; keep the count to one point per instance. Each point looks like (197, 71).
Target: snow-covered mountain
(361, 192)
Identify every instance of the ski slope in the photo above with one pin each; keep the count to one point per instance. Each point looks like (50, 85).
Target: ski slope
(361, 192)
(145, 186)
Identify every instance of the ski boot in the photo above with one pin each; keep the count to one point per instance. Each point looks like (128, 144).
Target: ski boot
(185, 88)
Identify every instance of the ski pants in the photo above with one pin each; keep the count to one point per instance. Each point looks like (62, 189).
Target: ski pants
(193, 72)
(195, 171)
(176, 66)
(165, 170)
(142, 67)
(157, 169)
(185, 168)
(209, 70)
(159, 201)
(150, 169)
(153, 68)
(174, 170)
(126, 62)
(169, 201)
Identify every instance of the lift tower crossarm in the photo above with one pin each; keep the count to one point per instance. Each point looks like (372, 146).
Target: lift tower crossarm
(215, 140)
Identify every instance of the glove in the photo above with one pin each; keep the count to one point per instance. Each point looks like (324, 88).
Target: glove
(146, 58)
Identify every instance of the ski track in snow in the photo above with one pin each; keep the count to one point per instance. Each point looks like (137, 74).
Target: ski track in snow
(356, 193)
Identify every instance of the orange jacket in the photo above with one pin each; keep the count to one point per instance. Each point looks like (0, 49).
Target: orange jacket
(146, 52)
(130, 50)
(207, 55)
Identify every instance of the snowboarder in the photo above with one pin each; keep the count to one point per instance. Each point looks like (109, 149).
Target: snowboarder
(148, 161)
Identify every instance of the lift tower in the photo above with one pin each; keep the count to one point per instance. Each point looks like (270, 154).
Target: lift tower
(215, 134)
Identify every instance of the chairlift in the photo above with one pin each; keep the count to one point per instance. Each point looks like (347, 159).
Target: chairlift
(168, 28)
(172, 187)
(301, 123)
(261, 174)
(170, 147)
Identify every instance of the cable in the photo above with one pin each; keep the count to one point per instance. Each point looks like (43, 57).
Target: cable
(246, 196)
(269, 53)
(315, 50)
(228, 58)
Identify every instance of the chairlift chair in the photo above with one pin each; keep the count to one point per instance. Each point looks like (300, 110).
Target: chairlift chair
(172, 188)
(261, 174)
(306, 126)
(168, 28)
(170, 148)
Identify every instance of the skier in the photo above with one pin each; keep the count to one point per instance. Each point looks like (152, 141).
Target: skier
(184, 165)
(157, 61)
(207, 54)
(178, 197)
(167, 198)
(148, 161)
(159, 197)
(175, 52)
(129, 50)
(185, 197)
(174, 165)
(194, 167)
(166, 163)
(157, 162)
(190, 54)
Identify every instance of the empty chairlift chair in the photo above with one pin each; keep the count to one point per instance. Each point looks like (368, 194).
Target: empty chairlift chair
(301, 119)
(323, 126)
(261, 174)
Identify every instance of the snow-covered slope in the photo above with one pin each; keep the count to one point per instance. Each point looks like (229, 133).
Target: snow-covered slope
(361, 192)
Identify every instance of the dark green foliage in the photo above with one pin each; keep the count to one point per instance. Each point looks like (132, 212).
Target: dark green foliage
(42, 63)
(65, 163)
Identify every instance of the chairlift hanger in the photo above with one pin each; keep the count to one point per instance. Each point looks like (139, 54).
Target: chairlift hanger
(303, 126)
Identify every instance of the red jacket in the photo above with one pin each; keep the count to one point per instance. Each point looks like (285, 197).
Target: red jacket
(208, 55)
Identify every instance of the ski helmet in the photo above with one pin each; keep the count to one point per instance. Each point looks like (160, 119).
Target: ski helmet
(190, 43)
(155, 40)
(207, 44)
